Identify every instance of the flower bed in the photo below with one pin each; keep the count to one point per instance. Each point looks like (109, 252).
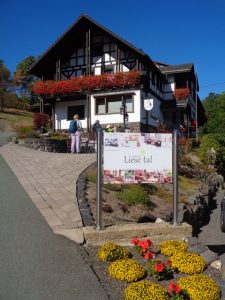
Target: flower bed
(156, 278)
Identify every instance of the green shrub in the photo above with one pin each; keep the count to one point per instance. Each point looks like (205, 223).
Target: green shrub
(217, 142)
(111, 251)
(126, 270)
(134, 195)
(26, 132)
(200, 287)
(113, 187)
(164, 194)
(145, 290)
(151, 189)
(208, 141)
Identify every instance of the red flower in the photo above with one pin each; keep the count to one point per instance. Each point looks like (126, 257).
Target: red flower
(149, 255)
(174, 288)
(87, 83)
(159, 267)
(168, 263)
(135, 241)
(180, 94)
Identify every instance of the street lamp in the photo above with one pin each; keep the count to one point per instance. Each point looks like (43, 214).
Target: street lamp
(123, 112)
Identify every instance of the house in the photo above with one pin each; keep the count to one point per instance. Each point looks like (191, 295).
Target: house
(93, 72)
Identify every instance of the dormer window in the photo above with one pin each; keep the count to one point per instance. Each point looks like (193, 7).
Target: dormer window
(108, 69)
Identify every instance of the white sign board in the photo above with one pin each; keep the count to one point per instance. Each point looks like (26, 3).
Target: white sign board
(148, 104)
(137, 157)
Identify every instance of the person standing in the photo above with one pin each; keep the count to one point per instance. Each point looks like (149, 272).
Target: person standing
(76, 131)
(97, 127)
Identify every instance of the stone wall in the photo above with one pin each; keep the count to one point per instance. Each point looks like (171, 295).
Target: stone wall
(45, 144)
(197, 209)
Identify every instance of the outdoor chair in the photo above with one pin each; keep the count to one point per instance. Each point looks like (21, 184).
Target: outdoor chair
(91, 145)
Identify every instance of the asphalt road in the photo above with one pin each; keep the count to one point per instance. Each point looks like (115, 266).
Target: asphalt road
(34, 262)
(211, 235)
(5, 137)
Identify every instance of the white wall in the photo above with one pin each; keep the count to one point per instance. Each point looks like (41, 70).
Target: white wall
(110, 61)
(117, 118)
(61, 121)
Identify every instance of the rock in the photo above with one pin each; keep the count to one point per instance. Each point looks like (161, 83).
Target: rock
(199, 248)
(209, 256)
(158, 220)
(191, 200)
(191, 241)
(204, 190)
(216, 180)
(217, 264)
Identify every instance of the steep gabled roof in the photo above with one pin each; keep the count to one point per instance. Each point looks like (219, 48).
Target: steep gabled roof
(183, 68)
(76, 31)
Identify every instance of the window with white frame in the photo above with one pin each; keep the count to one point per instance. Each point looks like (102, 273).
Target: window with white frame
(112, 104)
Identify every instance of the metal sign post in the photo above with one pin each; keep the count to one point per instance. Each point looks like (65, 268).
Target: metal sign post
(175, 177)
(99, 182)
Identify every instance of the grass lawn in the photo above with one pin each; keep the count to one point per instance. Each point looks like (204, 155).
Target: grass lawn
(17, 118)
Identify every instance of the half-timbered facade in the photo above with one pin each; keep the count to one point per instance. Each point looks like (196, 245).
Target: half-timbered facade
(81, 73)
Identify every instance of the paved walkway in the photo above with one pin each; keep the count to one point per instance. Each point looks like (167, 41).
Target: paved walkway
(50, 181)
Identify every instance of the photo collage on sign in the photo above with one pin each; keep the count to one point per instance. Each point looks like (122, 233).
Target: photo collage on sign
(137, 158)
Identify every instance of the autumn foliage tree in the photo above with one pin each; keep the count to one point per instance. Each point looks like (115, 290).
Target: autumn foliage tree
(24, 80)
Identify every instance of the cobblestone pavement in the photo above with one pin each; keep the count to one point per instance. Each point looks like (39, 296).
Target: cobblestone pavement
(50, 181)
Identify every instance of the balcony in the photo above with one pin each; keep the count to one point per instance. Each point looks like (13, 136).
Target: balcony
(181, 94)
(87, 84)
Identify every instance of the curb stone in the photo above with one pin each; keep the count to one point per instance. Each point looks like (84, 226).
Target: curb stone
(85, 211)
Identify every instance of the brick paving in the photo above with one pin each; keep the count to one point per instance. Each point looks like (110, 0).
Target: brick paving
(50, 181)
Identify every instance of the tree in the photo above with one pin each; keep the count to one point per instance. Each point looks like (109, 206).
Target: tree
(4, 80)
(4, 72)
(214, 105)
(24, 80)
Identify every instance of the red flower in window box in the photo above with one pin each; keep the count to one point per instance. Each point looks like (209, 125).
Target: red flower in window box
(87, 83)
(193, 123)
(180, 94)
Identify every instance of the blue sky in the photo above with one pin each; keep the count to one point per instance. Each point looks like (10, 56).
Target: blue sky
(172, 31)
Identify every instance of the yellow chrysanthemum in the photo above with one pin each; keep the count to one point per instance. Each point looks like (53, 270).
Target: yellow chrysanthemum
(145, 290)
(127, 270)
(200, 287)
(111, 251)
(188, 263)
(171, 247)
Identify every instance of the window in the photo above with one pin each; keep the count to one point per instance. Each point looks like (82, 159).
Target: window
(100, 106)
(112, 104)
(108, 69)
(129, 103)
(77, 109)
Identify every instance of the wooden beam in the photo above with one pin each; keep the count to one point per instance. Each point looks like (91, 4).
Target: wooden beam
(53, 117)
(58, 70)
